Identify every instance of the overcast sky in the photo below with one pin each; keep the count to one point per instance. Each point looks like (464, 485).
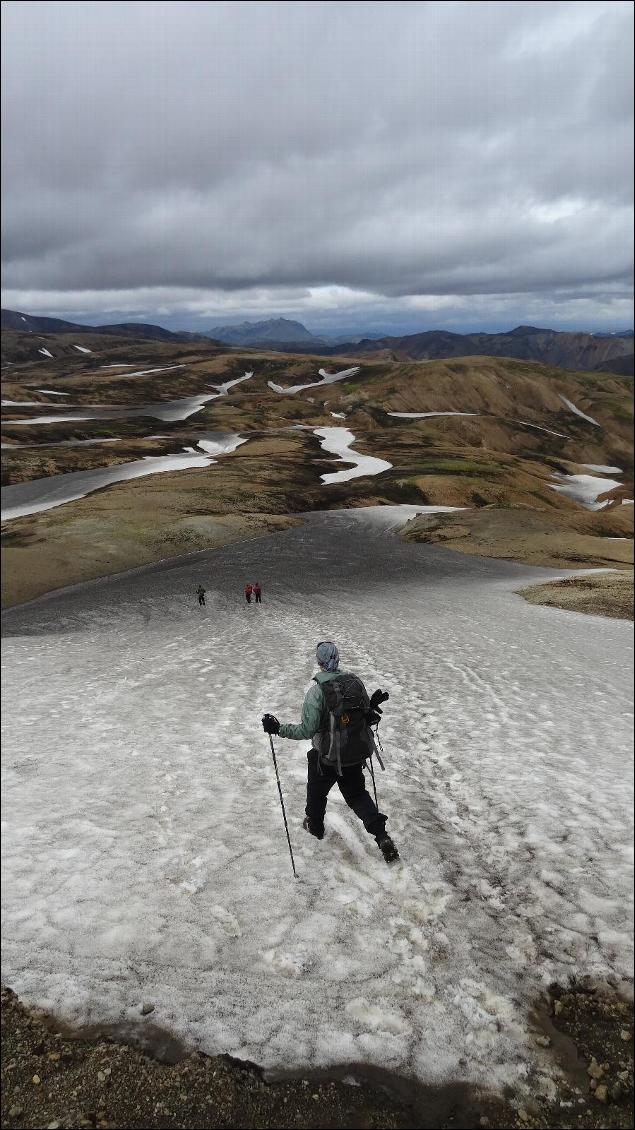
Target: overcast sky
(372, 165)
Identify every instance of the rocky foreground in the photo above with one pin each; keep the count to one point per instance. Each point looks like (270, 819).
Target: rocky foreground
(55, 1078)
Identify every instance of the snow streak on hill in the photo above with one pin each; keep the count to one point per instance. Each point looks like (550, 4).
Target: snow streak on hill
(145, 856)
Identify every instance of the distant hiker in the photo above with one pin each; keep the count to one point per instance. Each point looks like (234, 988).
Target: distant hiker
(200, 592)
(336, 715)
(258, 592)
(248, 591)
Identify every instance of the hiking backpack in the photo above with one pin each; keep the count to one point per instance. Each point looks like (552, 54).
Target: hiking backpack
(350, 736)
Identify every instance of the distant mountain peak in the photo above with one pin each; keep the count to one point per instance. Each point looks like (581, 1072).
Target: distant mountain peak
(284, 330)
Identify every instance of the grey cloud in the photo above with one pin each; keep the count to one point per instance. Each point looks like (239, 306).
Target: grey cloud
(392, 148)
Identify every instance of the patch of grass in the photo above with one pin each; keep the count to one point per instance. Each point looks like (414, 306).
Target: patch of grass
(460, 467)
(621, 411)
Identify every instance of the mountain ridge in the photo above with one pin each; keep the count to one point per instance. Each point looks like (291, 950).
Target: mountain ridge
(565, 349)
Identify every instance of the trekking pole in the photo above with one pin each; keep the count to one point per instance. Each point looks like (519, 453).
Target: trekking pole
(372, 773)
(284, 815)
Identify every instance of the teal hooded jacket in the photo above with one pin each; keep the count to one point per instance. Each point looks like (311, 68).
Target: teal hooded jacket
(315, 715)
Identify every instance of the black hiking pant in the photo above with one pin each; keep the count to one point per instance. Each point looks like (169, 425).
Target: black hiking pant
(201, 599)
(352, 787)
(258, 598)
(248, 597)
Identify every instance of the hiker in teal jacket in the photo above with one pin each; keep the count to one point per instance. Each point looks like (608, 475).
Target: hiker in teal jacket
(315, 726)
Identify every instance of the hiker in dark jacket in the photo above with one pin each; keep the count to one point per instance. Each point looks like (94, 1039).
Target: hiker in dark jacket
(316, 725)
(258, 592)
(200, 592)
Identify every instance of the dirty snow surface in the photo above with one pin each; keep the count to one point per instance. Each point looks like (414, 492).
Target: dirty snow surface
(37, 495)
(144, 852)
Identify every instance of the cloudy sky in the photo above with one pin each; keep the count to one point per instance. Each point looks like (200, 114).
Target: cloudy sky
(379, 166)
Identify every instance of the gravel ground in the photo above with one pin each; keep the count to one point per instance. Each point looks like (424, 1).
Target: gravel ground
(608, 594)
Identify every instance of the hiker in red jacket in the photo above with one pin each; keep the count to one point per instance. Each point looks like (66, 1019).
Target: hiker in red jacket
(258, 592)
(248, 591)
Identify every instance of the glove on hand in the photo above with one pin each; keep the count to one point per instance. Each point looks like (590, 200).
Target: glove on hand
(270, 724)
(377, 697)
(373, 716)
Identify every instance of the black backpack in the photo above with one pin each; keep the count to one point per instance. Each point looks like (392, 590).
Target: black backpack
(351, 738)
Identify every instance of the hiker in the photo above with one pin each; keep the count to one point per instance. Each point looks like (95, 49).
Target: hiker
(248, 591)
(200, 592)
(258, 592)
(353, 741)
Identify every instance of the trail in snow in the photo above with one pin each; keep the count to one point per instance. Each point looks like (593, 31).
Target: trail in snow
(144, 853)
(327, 379)
(55, 490)
(338, 441)
(579, 412)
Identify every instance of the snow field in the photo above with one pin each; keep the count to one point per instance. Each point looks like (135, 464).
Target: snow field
(145, 855)
(37, 495)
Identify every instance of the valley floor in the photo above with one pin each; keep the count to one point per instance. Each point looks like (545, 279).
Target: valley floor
(144, 854)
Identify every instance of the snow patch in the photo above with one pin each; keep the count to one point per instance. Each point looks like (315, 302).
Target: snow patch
(52, 392)
(540, 429)
(602, 469)
(146, 372)
(327, 379)
(45, 352)
(338, 441)
(45, 494)
(82, 349)
(585, 489)
(421, 415)
(168, 410)
(579, 412)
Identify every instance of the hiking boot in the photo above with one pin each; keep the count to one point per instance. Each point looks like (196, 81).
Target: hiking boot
(312, 830)
(387, 848)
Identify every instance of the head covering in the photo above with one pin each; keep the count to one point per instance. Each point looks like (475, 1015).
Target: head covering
(327, 655)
